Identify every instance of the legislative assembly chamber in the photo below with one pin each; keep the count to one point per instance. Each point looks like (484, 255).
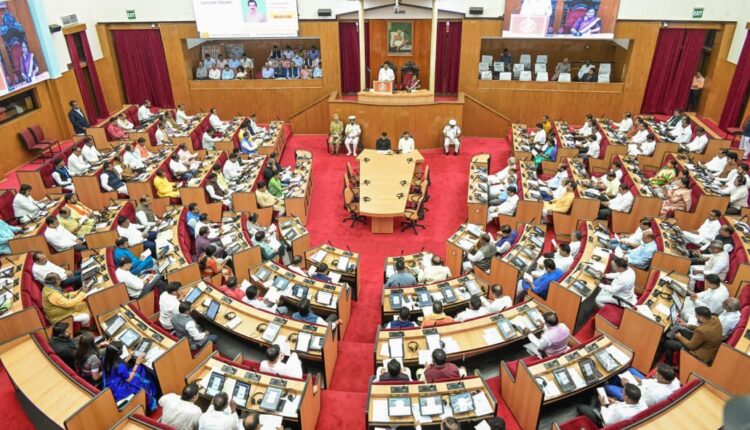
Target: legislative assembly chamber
(375, 214)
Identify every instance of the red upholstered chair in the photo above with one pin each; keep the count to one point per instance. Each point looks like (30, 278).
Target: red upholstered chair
(38, 134)
(44, 150)
(6, 206)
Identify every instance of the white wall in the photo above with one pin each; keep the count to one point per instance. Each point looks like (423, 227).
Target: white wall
(55, 9)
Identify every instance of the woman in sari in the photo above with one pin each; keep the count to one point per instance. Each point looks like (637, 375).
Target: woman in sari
(124, 381)
(665, 175)
(677, 198)
(548, 153)
(587, 24)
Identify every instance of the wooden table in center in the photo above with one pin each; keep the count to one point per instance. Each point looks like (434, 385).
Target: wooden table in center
(384, 186)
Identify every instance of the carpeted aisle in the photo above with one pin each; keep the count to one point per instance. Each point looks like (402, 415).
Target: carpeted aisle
(447, 210)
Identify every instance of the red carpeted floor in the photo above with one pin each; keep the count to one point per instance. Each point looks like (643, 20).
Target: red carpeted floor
(447, 210)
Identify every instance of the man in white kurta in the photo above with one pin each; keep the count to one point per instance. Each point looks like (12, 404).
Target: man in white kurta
(352, 132)
(386, 74)
(406, 143)
(452, 135)
(622, 285)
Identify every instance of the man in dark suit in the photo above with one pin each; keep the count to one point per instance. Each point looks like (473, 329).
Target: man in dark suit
(383, 143)
(77, 118)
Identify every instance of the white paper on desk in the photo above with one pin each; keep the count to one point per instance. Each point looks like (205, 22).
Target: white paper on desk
(645, 311)
(433, 341)
(662, 309)
(451, 345)
(228, 387)
(389, 270)
(425, 357)
(619, 252)
(602, 252)
(628, 377)
(602, 395)
(319, 255)
(324, 297)
(482, 426)
(153, 353)
(482, 404)
(396, 347)
(343, 264)
(551, 390)
(576, 377)
(492, 336)
(523, 322)
(618, 355)
(465, 244)
(335, 277)
(447, 412)
(312, 270)
(233, 323)
(418, 415)
(101, 225)
(272, 295)
(283, 344)
(245, 284)
(204, 382)
(599, 266)
(385, 350)
(426, 311)
(290, 408)
(379, 411)
(437, 296)
(164, 236)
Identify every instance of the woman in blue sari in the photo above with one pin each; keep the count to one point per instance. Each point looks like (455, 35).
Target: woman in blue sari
(124, 381)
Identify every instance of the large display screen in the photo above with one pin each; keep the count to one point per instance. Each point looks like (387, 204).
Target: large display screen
(573, 19)
(21, 60)
(246, 18)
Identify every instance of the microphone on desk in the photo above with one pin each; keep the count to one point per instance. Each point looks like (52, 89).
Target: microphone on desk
(409, 160)
(367, 199)
(366, 160)
(402, 253)
(366, 182)
(402, 183)
(400, 195)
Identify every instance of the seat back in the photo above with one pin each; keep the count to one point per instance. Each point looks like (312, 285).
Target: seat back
(486, 59)
(27, 138)
(564, 77)
(6, 206)
(37, 132)
(506, 76)
(525, 59)
(525, 76)
(541, 59)
(605, 68)
(485, 75)
(540, 67)
(517, 69)
(603, 78)
(498, 66)
(484, 67)
(542, 77)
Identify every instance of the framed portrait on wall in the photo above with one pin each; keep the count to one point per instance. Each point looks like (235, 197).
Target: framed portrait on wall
(234, 49)
(213, 49)
(400, 38)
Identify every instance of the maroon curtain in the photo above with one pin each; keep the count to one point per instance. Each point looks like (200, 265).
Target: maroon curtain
(730, 116)
(349, 48)
(88, 101)
(448, 57)
(675, 62)
(143, 66)
(101, 104)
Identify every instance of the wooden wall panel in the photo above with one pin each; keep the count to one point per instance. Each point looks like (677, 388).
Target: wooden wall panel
(313, 119)
(718, 75)
(379, 49)
(527, 103)
(63, 90)
(481, 121)
(109, 70)
(424, 122)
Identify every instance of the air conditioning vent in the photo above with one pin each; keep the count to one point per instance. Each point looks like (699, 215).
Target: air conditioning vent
(70, 19)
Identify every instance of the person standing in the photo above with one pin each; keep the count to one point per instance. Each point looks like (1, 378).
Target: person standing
(386, 73)
(77, 118)
(695, 91)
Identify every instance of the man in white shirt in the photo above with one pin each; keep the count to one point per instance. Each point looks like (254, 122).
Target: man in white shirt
(508, 207)
(386, 73)
(43, 267)
(274, 363)
(730, 317)
(208, 142)
(635, 239)
(60, 238)
(433, 273)
(169, 304)
(610, 413)
(452, 136)
(622, 284)
(24, 206)
(137, 287)
(646, 147)
(476, 309)
(592, 147)
(181, 412)
(563, 260)
(540, 136)
(221, 415)
(135, 235)
(253, 299)
(698, 144)
(216, 123)
(640, 135)
(132, 158)
(653, 390)
(682, 133)
(622, 202)
(406, 143)
(716, 165)
(62, 176)
(717, 264)
(584, 70)
(144, 111)
(712, 297)
(161, 136)
(123, 123)
(499, 301)
(181, 117)
(179, 170)
(352, 132)
(89, 151)
(626, 124)
(737, 192)
(77, 165)
(232, 169)
(706, 232)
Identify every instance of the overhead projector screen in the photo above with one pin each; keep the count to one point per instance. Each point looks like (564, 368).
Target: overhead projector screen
(566, 19)
(246, 18)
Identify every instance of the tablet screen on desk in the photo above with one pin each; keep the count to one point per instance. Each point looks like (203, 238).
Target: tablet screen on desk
(399, 407)
(215, 384)
(128, 337)
(462, 403)
(431, 406)
(193, 295)
(213, 310)
(269, 335)
(114, 324)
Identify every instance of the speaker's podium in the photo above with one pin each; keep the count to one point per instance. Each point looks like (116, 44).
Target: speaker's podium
(382, 93)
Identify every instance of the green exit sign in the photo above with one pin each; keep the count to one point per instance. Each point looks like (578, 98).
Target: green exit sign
(697, 12)
(131, 14)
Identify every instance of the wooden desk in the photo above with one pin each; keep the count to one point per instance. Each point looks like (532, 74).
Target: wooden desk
(412, 262)
(298, 195)
(160, 343)
(197, 125)
(460, 287)
(341, 262)
(742, 275)
(273, 139)
(378, 395)
(519, 137)
(522, 258)
(293, 232)
(708, 199)
(478, 200)
(302, 412)
(397, 98)
(645, 203)
(383, 178)
(703, 408)
(253, 322)
(532, 387)
(230, 137)
(297, 287)
(615, 144)
(463, 240)
(465, 339)
(566, 136)
(11, 271)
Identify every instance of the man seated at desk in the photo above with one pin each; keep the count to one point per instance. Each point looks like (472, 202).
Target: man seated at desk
(476, 309)
(539, 285)
(77, 164)
(110, 180)
(562, 258)
(135, 235)
(698, 144)
(248, 146)
(62, 177)
(634, 240)
(406, 143)
(76, 218)
(7, 233)
(113, 131)
(653, 390)
(437, 317)
(43, 267)
(137, 286)
(621, 202)
(554, 338)
(257, 301)
(563, 67)
(60, 238)
(144, 112)
(560, 204)
(274, 363)
(385, 74)
(181, 412)
(164, 187)
(25, 207)
(180, 170)
(647, 147)
(403, 320)
(481, 255)
(383, 143)
(215, 122)
(208, 141)
(507, 207)
(434, 272)
(215, 192)
(712, 297)
(393, 373)
(185, 327)
(137, 265)
(621, 284)
(499, 302)
(703, 341)
(438, 369)
(265, 199)
(609, 412)
(58, 304)
(132, 158)
(89, 151)
(682, 132)
(506, 239)
(717, 263)
(305, 314)
(232, 168)
(221, 414)
(401, 277)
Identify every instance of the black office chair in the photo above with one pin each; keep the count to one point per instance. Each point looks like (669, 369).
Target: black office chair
(353, 207)
(413, 216)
